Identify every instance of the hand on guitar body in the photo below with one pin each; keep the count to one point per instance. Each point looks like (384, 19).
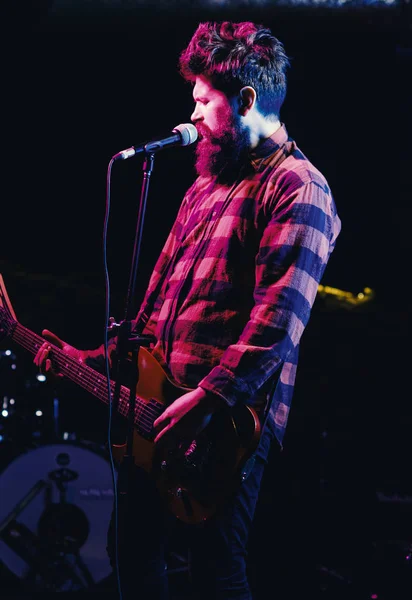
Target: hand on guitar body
(187, 416)
(183, 419)
(45, 363)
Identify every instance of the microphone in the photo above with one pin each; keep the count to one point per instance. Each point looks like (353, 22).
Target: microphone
(182, 135)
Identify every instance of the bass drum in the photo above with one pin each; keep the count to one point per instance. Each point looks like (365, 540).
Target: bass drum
(55, 508)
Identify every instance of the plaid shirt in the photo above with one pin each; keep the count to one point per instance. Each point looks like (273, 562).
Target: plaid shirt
(232, 290)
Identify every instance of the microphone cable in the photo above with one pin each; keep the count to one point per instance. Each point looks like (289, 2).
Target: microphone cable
(106, 352)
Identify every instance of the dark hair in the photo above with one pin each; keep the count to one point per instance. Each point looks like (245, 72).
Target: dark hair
(234, 55)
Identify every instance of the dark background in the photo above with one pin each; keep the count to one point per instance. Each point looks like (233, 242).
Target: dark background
(80, 85)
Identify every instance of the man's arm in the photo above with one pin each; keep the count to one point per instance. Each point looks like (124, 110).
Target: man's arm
(293, 253)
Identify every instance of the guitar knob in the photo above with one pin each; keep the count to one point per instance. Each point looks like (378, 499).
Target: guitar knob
(163, 465)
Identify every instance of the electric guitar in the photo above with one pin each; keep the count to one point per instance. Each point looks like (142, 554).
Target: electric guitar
(193, 479)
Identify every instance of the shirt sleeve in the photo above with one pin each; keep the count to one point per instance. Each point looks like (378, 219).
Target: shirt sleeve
(95, 358)
(295, 246)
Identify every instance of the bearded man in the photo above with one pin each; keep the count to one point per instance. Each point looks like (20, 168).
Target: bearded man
(227, 303)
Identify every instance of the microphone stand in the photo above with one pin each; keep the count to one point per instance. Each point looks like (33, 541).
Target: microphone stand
(131, 343)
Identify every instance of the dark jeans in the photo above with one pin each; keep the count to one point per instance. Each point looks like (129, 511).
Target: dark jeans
(217, 547)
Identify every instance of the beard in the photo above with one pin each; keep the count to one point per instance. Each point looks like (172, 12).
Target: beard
(222, 154)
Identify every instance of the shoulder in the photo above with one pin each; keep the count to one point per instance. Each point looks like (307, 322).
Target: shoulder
(297, 172)
(297, 187)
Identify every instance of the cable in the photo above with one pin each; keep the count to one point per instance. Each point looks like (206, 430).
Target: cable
(106, 352)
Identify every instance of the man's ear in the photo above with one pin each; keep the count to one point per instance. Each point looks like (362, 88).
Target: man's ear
(247, 99)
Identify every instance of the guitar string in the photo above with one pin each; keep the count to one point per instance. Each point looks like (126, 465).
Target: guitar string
(143, 409)
(93, 380)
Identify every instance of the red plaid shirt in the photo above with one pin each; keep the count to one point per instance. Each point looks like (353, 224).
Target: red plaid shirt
(233, 288)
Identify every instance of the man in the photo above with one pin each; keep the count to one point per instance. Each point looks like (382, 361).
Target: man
(229, 297)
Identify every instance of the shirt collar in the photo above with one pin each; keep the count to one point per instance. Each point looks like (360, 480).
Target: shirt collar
(268, 147)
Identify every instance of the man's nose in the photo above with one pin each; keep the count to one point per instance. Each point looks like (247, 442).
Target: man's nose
(195, 116)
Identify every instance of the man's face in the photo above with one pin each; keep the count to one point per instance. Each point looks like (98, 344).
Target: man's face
(222, 140)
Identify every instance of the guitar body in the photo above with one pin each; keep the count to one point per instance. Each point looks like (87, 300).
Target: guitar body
(194, 481)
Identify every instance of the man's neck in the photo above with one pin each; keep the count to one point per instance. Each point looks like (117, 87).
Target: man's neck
(266, 130)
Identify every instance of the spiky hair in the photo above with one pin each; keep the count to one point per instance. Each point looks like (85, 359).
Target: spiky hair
(234, 55)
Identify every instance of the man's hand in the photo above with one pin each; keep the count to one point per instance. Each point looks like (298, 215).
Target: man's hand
(187, 416)
(42, 358)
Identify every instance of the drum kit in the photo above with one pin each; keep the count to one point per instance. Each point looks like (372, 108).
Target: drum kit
(56, 496)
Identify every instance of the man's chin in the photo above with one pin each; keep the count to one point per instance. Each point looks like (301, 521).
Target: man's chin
(207, 158)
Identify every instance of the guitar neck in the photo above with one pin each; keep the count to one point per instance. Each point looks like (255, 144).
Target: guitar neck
(78, 372)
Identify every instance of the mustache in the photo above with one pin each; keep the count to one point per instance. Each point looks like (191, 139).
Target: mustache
(216, 139)
(203, 131)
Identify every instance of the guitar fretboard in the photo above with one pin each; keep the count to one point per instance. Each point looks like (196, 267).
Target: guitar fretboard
(91, 380)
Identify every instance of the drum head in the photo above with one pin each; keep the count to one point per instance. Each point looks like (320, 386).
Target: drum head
(56, 504)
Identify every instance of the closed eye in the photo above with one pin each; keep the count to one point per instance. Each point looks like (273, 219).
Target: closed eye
(203, 101)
